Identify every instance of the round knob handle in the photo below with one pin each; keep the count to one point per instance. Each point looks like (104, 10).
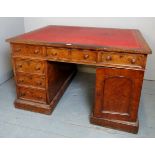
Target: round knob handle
(37, 68)
(18, 49)
(21, 80)
(86, 56)
(133, 60)
(36, 51)
(20, 65)
(54, 54)
(39, 83)
(40, 97)
(108, 58)
(22, 94)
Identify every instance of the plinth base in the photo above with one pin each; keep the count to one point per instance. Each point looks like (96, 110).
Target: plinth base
(131, 127)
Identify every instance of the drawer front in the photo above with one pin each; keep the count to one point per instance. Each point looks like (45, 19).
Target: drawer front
(18, 49)
(32, 94)
(31, 80)
(133, 60)
(83, 56)
(28, 50)
(58, 53)
(36, 51)
(30, 66)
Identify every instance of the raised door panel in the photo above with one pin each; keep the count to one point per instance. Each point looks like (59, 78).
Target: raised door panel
(118, 93)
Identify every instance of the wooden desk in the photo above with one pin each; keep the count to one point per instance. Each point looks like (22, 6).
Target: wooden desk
(119, 56)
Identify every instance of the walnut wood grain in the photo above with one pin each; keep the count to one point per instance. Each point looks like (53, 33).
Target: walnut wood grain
(83, 56)
(118, 93)
(31, 80)
(28, 50)
(58, 53)
(32, 94)
(88, 57)
(57, 74)
(122, 59)
(29, 66)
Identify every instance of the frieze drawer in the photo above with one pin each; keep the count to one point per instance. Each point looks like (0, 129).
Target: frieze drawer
(28, 50)
(122, 59)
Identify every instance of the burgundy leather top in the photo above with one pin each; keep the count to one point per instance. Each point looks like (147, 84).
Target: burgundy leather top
(121, 38)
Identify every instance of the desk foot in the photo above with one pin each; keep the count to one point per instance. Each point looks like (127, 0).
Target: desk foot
(131, 127)
(32, 106)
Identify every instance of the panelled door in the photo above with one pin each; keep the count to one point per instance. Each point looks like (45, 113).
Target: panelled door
(117, 93)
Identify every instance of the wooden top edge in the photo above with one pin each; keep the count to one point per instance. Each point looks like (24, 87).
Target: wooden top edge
(143, 42)
(97, 48)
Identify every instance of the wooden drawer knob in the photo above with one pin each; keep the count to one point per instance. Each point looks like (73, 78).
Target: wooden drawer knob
(86, 56)
(54, 54)
(20, 65)
(21, 80)
(37, 68)
(36, 51)
(108, 58)
(18, 49)
(133, 60)
(40, 97)
(22, 94)
(39, 83)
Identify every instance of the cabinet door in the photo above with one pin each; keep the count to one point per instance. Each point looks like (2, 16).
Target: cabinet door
(118, 93)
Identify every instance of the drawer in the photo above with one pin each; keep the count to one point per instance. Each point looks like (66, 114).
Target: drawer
(133, 60)
(31, 80)
(58, 53)
(18, 49)
(83, 55)
(29, 66)
(32, 94)
(36, 51)
(28, 50)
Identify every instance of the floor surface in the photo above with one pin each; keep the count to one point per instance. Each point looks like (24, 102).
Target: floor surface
(71, 116)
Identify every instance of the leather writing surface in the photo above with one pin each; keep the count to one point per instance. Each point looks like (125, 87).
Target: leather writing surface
(85, 36)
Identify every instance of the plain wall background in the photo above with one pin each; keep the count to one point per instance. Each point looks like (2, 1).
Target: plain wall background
(145, 25)
(8, 27)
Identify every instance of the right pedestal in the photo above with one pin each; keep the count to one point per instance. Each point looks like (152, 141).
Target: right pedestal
(117, 97)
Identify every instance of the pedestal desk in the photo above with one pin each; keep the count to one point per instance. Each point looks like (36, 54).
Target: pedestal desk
(44, 63)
